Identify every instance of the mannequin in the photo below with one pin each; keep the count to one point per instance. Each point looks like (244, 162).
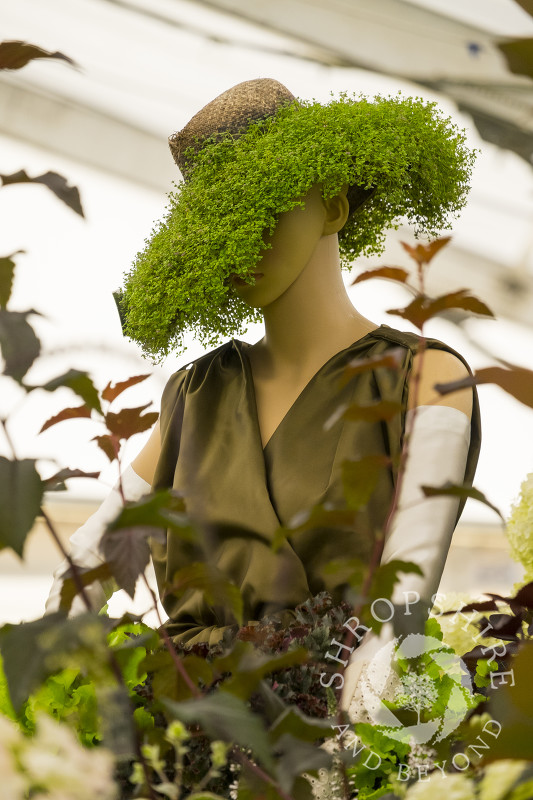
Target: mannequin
(296, 285)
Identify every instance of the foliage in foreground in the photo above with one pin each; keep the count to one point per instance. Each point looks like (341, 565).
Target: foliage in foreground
(256, 716)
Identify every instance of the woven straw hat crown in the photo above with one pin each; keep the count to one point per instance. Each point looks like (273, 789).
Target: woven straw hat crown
(232, 111)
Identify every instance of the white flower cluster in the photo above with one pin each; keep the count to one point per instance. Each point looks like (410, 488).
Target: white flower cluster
(460, 631)
(52, 764)
(520, 527)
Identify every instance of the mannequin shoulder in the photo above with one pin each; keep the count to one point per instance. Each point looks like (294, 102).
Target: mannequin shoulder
(439, 366)
(146, 461)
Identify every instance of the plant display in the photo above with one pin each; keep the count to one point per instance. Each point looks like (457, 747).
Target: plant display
(408, 160)
(114, 709)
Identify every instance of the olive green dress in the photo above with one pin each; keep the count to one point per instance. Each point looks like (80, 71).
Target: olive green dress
(239, 494)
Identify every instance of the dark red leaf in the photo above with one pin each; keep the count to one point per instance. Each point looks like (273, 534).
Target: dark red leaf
(113, 390)
(375, 412)
(476, 605)
(464, 492)
(56, 183)
(390, 273)
(16, 54)
(516, 381)
(390, 360)
(524, 596)
(423, 253)
(67, 413)
(423, 308)
(505, 626)
(109, 443)
(130, 421)
(127, 552)
(57, 482)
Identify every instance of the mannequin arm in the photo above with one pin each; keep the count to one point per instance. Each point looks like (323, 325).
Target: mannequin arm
(422, 528)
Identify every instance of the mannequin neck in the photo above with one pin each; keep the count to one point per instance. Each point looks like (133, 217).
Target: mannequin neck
(313, 319)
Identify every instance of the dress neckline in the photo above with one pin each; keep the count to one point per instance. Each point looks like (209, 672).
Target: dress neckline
(242, 348)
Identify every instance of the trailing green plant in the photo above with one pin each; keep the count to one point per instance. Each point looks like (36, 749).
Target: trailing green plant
(406, 158)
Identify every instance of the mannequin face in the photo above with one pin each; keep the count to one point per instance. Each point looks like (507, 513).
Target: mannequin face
(292, 244)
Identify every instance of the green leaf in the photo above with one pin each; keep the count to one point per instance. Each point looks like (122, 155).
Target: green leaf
(249, 667)
(6, 706)
(224, 716)
(69, 589)
(204, 796)
(18, 342)
(167, 680)
(293, 721)
(16, 54)
(80, 383)
(297, 756)
(387, 576)
(53, 642)
(218, 590)
(359, 479)
(56, 183)
(115, 709)
(449, 489)
(21, 493)
(7, 272)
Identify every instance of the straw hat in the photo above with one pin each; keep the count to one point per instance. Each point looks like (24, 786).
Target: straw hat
(230, 112)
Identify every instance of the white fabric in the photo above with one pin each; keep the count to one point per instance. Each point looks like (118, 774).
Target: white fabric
(423, 526)
(84, 543)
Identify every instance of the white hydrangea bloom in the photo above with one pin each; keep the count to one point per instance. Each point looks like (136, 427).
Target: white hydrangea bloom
(437, 787)
(459, 631)
(520, 527)
(499, 777)
(54, 759)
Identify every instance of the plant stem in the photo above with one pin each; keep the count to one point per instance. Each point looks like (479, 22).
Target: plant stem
(73, 566)
(169, 645)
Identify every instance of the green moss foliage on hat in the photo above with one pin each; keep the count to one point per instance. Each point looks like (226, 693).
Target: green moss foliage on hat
(412, 158)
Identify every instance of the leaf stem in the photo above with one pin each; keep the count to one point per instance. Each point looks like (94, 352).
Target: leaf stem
(170, 646)
(243, 759)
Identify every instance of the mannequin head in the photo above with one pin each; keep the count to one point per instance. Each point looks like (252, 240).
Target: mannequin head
(247, 157)
(296, 240)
